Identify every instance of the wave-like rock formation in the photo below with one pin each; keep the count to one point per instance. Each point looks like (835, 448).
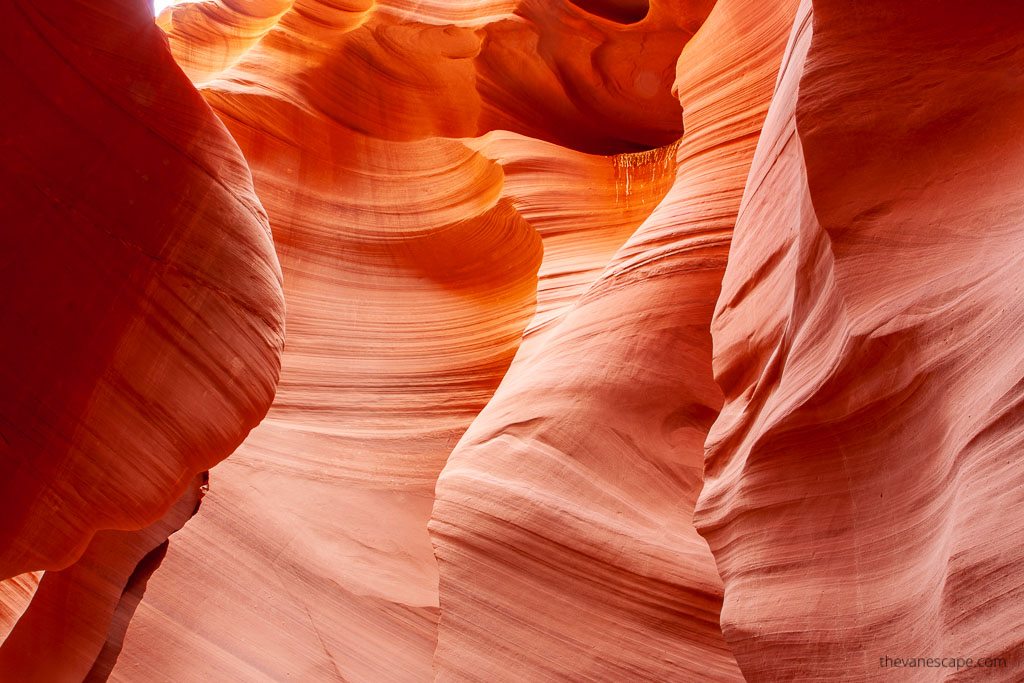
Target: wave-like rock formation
(411, 265)
(405, 71)
(863, 488)
(562, 527)
(603, 340)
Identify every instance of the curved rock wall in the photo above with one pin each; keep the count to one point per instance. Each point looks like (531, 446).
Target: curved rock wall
(141, 291)
(626, 341)
(862, 483)
(562, 526)
(142, 308)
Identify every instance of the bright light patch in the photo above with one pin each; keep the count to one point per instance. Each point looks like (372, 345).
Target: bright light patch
(158, 6)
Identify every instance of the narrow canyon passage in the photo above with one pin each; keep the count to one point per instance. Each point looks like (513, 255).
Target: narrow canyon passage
(511, 340)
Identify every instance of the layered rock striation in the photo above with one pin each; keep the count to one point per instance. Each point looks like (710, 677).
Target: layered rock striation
(562, 525)
(626, 340)
(142, 307)
(862, 483)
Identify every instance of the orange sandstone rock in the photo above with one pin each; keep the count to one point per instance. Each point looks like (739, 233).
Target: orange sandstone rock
(410, 272)
(562, 522)
(15, 596)
(542, 414)
(408, 281)
(405, 71)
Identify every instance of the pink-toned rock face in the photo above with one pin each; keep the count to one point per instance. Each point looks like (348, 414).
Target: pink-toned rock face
(140, 298)
(624, 342)
(411, 271)
(15, 596)
(863, 481)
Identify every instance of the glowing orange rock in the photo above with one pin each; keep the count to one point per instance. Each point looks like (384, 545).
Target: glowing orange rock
(405, 71)
(516, 306)
(410, 274)
(408, 282)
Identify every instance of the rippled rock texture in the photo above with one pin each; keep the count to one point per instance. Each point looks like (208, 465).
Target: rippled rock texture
(594, 340)
(863, 481)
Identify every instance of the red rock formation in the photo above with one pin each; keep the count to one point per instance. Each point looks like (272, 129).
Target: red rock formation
(140, 283)
(63, 630)
(863, 496)
(410, 275)
(584, 207)
(356, 442)
(142, 309)
(15, 596)
(208, 37)
(405, 71)
(408, 282)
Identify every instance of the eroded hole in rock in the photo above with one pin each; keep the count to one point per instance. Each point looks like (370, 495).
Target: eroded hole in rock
(621, 11)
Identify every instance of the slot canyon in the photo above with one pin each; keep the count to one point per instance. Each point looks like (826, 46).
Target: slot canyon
(398, 341)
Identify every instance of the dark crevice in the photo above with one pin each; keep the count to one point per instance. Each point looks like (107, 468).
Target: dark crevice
(619, 11)
(130, 599)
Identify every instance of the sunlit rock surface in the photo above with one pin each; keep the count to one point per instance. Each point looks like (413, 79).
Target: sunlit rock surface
(15, 596)
(408, 70)
(411, 265)
(601, 340)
